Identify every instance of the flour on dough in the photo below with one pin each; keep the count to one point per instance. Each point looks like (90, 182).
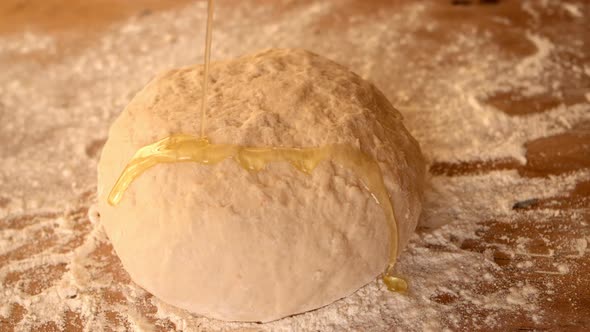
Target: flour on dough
(241, 246)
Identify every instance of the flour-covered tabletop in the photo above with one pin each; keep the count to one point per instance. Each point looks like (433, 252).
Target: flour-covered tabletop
(496, 92)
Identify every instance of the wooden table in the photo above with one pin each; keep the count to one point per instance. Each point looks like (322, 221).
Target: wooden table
(552, 227)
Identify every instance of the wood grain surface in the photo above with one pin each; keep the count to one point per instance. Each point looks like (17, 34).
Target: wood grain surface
(548, 240)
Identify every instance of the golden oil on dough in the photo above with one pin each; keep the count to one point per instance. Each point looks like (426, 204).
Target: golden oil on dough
(231, 244)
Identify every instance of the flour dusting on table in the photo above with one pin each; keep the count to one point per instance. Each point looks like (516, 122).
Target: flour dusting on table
(69, 277)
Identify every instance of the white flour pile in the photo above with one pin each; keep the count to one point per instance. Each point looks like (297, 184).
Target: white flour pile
(53, 119)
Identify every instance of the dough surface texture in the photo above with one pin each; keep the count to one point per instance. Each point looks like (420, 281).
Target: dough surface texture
(235, 245)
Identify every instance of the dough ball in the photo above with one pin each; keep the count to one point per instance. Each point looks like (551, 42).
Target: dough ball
(236, 245)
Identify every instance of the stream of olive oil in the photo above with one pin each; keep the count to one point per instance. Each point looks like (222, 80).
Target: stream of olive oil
(207, 58)
(187, 148)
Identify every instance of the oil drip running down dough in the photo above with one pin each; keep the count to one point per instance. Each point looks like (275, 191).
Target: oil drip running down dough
(187, 148)
(236, 243)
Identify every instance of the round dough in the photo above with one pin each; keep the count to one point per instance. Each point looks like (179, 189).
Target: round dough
(240, 246)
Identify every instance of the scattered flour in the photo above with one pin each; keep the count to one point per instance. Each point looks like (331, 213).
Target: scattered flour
(572, 9)
(438, 89)
(534, 63)
(581, 245)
